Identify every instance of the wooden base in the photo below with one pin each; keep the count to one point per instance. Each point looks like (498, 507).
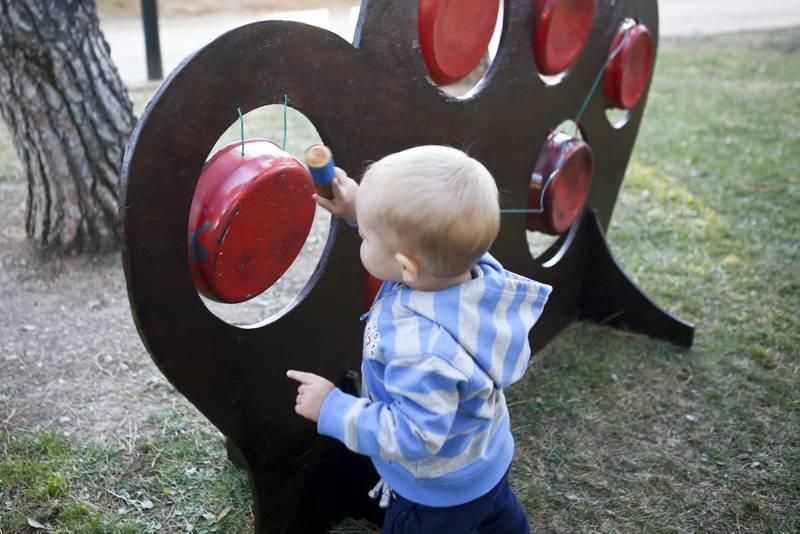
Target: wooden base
(611, 297)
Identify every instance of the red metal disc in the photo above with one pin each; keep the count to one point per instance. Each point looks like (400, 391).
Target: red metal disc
(629, 72)
(564, 171)
(371, 287)
(250, 216)
(561, 28)
(454, 35)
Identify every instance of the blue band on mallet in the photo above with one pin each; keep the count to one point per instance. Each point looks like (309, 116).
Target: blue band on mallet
(320, 162)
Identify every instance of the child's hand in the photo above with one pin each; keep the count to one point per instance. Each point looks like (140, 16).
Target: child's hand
(311, 393)
(344, 197)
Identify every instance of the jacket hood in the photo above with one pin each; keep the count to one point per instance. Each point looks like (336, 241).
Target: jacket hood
(489, 317)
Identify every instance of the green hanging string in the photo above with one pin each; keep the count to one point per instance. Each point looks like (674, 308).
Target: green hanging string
(285, 109)
(285, 105)
(578, 116)
(597, 79)
(241, 124)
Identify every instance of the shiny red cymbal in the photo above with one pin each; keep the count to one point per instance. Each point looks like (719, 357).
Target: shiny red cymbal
(250, 216)
(559, 184)
(628, 73)
(561, 28)
(454, 35)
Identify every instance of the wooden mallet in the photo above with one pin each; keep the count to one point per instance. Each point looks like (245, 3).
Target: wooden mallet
(320, 162)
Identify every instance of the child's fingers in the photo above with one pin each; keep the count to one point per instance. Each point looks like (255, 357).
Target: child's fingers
(337, 188)
(325, 203)
(300, 376)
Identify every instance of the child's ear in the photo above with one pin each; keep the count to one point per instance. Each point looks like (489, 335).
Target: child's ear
(410, 267)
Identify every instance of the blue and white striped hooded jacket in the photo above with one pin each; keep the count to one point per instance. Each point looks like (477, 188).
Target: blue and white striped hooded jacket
(433, 417)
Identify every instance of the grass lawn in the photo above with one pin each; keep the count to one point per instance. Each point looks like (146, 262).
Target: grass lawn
(615, 432)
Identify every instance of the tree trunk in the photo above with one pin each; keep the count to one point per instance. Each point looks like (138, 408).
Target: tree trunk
(70, 116)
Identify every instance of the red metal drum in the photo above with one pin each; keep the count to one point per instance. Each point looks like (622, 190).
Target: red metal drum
(629, 72)
(454, 35)
(250, 216)
(561, 28)
(559, 184)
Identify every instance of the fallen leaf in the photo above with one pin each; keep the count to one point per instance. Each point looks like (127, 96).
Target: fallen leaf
(223, 513)
(209, 517)
(35, 524)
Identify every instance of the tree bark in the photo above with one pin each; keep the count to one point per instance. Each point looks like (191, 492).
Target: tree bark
(70, 116)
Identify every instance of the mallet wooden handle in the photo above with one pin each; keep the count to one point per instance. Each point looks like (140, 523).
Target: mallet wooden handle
(320, 162)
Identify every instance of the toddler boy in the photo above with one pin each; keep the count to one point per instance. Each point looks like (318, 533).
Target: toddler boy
(448, 331)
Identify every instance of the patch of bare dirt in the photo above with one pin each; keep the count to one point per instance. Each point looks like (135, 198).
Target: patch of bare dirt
(70, 357)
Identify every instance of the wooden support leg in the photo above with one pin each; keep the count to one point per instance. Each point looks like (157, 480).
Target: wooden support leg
(610, 297)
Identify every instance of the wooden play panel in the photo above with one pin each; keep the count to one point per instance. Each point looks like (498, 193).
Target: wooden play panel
(366, 99)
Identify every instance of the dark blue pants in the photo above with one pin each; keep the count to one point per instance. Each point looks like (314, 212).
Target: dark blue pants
(497, 512)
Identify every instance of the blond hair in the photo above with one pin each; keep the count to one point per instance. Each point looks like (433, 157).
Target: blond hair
(435, 202)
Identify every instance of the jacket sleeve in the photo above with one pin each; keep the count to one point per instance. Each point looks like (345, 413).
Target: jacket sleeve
(412, 424)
